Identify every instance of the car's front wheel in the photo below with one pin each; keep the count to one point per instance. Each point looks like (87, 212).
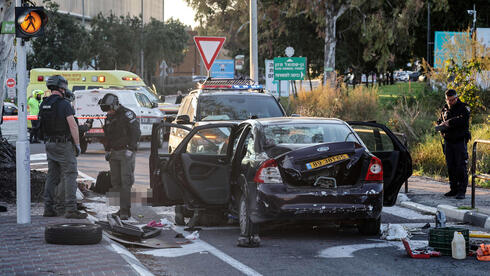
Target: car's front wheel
(369, 226)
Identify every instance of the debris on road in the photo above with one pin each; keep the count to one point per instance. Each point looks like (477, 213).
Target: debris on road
(164, 223)
(424, 253)
(479, 234)
(483, 253)
(394, 232)
(193, 236)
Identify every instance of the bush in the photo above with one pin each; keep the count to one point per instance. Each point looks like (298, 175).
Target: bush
(360, 103)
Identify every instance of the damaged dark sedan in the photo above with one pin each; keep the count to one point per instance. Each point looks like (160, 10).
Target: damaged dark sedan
(277, 169)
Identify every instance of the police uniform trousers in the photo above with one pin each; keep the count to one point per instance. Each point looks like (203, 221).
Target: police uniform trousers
(62, 167)
(122, 177)
(457, 160)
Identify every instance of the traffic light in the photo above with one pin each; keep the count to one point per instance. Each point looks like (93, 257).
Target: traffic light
(30, 21)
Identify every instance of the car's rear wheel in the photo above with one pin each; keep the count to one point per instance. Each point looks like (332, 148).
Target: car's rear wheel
(248, 230)
(369, 226)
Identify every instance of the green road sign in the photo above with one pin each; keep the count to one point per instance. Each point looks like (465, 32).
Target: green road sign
(8, 27)
(289, 68)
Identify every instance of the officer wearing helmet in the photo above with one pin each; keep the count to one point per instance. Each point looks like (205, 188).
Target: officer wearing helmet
(60, 134)
(122, 132)
(82, 129)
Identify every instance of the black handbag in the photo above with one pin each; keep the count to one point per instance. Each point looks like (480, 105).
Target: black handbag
(103, 183)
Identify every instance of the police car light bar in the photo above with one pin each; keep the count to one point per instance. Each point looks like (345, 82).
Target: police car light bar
(240, 87)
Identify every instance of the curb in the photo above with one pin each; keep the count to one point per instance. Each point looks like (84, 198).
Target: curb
(418, 207)
(469, 216)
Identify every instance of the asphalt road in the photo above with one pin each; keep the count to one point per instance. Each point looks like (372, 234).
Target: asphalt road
(285, 249)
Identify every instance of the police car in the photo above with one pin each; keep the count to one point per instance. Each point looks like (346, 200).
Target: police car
(223, 100)
(86, 107)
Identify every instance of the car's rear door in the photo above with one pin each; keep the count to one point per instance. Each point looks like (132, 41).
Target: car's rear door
(396, 160)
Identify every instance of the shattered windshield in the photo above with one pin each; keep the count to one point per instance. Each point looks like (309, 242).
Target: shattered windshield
(237, 107)
(308, 134)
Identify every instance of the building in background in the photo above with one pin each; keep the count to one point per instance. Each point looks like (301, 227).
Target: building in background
(151, 8)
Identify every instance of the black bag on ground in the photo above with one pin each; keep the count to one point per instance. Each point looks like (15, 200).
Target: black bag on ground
(103, 183)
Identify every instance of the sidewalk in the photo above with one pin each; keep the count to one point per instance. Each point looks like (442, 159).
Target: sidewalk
(23, 251)
(427, 195)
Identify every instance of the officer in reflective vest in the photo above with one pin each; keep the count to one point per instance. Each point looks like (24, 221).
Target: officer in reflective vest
(60, 133)
(122, 132)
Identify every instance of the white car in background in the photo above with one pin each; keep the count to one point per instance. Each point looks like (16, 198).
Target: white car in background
(86, 107)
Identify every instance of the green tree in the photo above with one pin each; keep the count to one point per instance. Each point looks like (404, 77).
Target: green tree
(60, 46)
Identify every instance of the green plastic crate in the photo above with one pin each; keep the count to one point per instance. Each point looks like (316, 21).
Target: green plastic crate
(440, 239)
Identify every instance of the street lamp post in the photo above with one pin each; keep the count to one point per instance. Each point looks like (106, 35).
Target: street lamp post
(254, 58)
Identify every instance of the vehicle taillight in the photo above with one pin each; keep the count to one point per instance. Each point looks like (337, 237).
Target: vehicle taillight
(40, 78)
(375, 170)
(268, 172)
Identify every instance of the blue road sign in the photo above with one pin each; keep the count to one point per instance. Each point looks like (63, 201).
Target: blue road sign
(441, 43)
(223, 69)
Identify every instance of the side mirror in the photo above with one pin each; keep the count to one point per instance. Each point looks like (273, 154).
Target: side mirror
(183, 119)
(154, 104)
(295, 115)
(162, 98)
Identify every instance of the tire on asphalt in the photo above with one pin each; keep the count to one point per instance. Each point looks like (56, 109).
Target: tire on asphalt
(369, 226)
(73, 233)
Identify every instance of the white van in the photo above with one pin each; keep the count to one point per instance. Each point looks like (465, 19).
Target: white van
(86, 107)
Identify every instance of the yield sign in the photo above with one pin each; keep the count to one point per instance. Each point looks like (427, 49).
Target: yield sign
(209, 48)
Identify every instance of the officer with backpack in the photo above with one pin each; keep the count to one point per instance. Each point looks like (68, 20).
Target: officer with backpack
(60, 134)
(122, 132)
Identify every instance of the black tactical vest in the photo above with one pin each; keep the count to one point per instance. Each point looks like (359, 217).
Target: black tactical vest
(51, 123)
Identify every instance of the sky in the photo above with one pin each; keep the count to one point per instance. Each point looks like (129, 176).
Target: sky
(178, 9)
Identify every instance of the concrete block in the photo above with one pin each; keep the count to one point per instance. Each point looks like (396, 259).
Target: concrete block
(452, 212)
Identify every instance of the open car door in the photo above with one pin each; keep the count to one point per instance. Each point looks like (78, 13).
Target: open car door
(197, 173)
(396, 160)
(164, 189)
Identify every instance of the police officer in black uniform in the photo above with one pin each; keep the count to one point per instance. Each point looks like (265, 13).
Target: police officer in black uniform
(453, 124)
(60, 133)
(122, 132)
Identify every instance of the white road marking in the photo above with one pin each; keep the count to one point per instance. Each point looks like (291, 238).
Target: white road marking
(38, 163)
(200, 246)
(405, 213)
(85, 176)
(347, 251)
(39, 157)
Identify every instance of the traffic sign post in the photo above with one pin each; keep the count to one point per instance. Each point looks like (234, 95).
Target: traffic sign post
(209, 47)
(289, 68)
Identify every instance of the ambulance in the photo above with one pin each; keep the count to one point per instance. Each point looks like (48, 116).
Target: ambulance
(92, 79)
(86, 107)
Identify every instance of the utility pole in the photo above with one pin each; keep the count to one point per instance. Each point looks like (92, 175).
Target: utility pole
(254, 57)
(83, 13)
(163, 11)
(142, 54)
(22, 144)
(428, 32)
